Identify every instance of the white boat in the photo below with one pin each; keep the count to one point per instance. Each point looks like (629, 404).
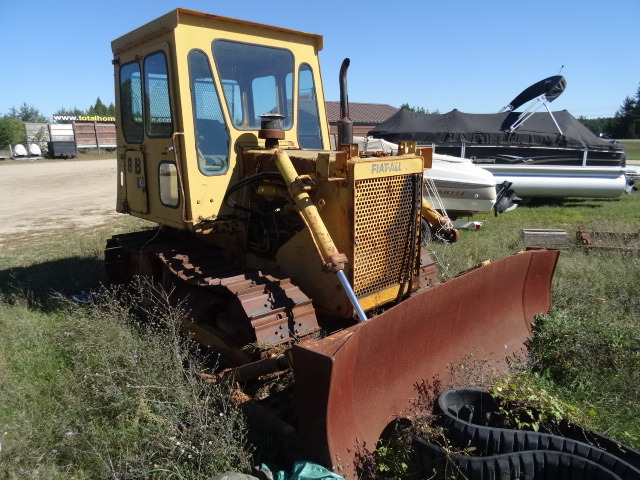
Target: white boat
(454, 186)
(461, 188)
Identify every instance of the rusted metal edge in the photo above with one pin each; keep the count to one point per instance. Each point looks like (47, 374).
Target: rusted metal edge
(276, 309)
(589, 239)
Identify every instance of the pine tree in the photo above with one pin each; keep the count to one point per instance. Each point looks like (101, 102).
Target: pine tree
(98, 108)
(406, 106)
(627, 118)
(27, 114)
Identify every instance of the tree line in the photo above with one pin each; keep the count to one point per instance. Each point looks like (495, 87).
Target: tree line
(625, 123)
(12, 129)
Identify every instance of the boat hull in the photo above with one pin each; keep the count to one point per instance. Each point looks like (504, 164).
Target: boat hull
(561, 181)
(550, 171)
(462, 187)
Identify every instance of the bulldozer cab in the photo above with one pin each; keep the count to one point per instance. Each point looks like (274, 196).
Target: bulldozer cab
(191, 89)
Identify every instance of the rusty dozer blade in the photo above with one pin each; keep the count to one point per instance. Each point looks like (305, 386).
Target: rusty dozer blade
(351, 385)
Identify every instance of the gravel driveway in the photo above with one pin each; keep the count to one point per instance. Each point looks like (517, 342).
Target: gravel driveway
(50, 195)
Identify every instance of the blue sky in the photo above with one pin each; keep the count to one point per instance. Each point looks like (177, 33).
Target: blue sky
(471, 55)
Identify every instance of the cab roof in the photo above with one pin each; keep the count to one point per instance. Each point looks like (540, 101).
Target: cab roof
(171, 20)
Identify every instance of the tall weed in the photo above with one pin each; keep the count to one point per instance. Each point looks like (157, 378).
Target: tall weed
(90, 392)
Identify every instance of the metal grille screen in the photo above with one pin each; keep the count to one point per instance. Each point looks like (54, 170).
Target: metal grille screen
(383, 215)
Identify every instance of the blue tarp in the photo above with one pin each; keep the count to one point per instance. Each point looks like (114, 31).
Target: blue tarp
(307, 471)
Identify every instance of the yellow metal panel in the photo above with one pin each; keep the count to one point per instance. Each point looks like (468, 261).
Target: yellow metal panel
(385, 227)
(136, 195)
(379, 298)
(135, 181)
(387, 167)
(427, 155)
(171, 20)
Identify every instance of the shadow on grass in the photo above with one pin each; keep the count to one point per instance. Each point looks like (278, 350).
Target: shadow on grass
(568, 202)
(65, 276)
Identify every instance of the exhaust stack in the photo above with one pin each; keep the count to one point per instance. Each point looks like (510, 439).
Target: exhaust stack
(345, 125)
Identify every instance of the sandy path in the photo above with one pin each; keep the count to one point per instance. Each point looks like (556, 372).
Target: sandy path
(47, 195)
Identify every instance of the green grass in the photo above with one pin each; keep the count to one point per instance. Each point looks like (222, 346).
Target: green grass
(60, 261)
(128, 403)
(87, 392)
(632, 150)
(588, 352)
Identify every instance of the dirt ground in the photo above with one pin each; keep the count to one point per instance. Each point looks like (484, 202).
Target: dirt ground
(50, 195)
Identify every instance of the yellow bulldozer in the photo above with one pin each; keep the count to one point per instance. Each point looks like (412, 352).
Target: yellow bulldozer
(310, 255)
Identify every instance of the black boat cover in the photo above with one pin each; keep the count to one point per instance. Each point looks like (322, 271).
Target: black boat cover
(550, 87)
(457, 127)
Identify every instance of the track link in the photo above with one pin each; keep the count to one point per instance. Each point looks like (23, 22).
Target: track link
(234, 305)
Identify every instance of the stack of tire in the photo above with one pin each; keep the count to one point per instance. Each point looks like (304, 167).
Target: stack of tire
(502, 453)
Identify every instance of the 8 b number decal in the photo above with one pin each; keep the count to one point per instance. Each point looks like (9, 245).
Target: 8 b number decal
(134, 163)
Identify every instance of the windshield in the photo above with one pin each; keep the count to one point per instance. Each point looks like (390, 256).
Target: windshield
(256, 80)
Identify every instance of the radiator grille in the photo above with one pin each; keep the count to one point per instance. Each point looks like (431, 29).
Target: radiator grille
(384, 211)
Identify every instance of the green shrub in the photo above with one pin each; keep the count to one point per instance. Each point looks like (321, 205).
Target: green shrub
(11, 131)
(525, 404)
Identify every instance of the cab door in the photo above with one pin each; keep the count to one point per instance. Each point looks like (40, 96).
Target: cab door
(132, 185)
(147, 127)
(158, 149)
(136, 181)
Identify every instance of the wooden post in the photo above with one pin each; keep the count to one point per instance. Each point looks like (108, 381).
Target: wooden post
(95, 130)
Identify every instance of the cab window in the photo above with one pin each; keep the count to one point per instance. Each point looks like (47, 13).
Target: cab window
(308, 119)
(256, 80)
(212, 137)
(168, 182)
(158, 119)
(131, 103)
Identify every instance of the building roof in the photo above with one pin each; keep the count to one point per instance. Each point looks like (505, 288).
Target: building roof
(364, 113)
